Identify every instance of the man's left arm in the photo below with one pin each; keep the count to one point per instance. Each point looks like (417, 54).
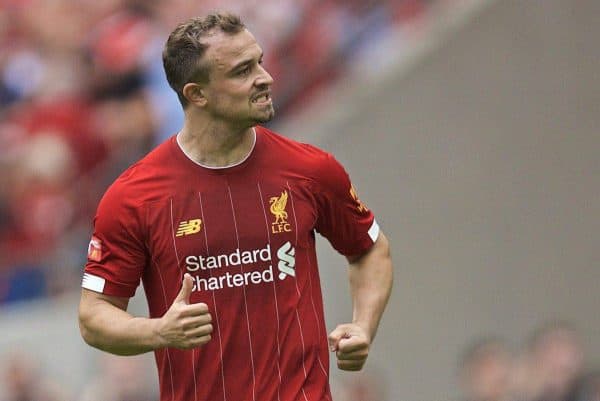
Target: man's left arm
(370, 284)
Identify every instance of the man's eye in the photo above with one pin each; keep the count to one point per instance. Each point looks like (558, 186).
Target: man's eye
(244, 71)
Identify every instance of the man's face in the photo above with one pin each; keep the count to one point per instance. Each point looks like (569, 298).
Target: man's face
(239, 88)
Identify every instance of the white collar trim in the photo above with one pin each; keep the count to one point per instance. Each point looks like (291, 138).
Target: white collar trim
(219, 167)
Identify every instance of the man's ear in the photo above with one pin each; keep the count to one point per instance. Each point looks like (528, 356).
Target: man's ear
(194, 93)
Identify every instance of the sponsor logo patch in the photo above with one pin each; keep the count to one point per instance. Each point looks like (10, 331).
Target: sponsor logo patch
(95, 249)
(287, 261)
(259, 267)
(359, 205)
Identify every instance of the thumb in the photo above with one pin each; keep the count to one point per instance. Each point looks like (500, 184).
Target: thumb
(335, 336)
(186, 289)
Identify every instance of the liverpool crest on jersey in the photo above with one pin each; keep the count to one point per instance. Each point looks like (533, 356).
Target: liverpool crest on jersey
(278, 209)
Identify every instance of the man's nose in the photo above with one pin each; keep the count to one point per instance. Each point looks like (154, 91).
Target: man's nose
(264, 78)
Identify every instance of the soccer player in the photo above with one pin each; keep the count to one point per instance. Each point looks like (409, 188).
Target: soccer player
(219, 224)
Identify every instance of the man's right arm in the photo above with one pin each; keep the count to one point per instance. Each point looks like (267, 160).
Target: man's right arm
(105, 324)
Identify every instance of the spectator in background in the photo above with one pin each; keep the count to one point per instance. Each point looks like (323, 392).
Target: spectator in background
(485, 371)
(589, 389)
(24, 381)
(40, 185)
(366, 386)
(120, 379)
(76, 101)
(557, 358)
(527, 380)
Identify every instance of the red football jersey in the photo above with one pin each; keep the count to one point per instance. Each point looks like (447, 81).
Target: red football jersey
(246, 235)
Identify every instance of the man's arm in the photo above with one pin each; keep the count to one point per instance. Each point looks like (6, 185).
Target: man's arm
(105, 324)
(370, 284)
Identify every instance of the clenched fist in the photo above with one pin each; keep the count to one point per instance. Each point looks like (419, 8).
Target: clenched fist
(185, 325)
(350, 343)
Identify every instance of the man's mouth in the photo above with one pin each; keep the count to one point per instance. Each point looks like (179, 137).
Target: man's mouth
(262, 98)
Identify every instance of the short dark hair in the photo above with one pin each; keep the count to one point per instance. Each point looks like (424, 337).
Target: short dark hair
(184, 49)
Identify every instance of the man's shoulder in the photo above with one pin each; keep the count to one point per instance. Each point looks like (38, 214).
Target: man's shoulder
(141, 179)
(316, 164)
(293, 151)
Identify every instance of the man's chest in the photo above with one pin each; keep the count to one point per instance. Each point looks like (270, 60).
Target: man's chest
(209, 225)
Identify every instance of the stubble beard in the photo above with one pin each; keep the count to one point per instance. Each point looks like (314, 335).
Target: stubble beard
(270, 114)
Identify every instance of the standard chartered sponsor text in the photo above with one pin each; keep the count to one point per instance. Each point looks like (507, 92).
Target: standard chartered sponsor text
(257, 261)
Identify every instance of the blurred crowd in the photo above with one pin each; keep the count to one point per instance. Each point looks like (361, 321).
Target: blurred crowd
(115, 379)
(83, 95)
(131, 379)
(551, 367)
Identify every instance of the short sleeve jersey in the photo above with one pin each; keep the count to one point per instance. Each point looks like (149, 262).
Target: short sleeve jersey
(246, 235)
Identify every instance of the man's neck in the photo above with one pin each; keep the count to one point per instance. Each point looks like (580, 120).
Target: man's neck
(216, 148)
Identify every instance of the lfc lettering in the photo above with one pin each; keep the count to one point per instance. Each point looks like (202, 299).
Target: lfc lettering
(280, 228)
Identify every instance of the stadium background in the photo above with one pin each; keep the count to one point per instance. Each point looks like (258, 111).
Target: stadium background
(471, 128)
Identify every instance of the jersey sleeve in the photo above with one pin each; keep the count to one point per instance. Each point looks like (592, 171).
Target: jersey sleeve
(342, 218)
(116, 253)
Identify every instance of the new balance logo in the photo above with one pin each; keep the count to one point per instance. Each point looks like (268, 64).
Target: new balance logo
(287, 261)
(189, 227)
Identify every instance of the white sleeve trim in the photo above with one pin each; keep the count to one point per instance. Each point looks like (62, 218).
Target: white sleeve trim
(93, 283)
(374, 231)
